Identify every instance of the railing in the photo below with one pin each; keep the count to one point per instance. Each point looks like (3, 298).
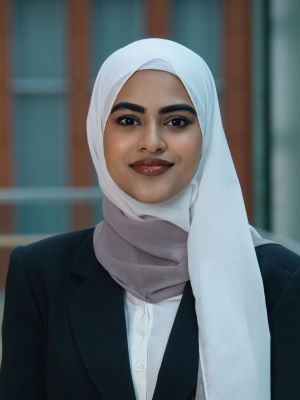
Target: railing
(49, 195)
(291, 244)
(36, 195)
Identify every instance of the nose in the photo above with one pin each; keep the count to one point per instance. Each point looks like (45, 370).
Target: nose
(152, 139)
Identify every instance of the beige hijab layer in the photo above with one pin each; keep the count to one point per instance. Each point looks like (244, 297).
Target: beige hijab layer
(234, 340)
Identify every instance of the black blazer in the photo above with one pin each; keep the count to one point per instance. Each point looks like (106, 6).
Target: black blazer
(64, 332)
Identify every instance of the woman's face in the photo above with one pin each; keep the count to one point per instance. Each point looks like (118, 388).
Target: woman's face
(152, 138)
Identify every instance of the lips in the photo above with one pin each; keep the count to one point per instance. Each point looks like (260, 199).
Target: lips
(151, 166)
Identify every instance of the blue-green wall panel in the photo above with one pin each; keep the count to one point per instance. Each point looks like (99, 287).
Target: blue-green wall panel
(40, 55)
(114, 24)
(260, 114)
(40, 140)
(39, 34)
(285, 117)
(197, 24)
(41, 158)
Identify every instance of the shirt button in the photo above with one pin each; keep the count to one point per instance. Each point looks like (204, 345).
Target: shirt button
(138, 366)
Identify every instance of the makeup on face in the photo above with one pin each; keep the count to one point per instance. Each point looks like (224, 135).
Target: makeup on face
(151, 166)
(152, 138)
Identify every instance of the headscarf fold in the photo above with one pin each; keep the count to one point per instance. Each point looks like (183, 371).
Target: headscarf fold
(148, 258)
(234, 339)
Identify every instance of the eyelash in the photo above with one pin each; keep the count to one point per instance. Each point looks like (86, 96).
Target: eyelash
(120, 119)
(185, 121)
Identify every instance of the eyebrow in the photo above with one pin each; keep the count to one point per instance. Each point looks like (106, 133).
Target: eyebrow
(164, 110)
(177, 107)
(128, 106)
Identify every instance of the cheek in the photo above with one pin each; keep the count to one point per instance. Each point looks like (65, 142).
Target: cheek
(112, 147)
(117, 152)
(190, 152)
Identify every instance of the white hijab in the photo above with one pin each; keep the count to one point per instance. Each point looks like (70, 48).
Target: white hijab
(234, 339)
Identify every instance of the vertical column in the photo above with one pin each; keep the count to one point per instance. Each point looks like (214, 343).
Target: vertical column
(158, 18)
(5, 129)
(284, 92)
(79, 17)
(261, 114)
(237, 96)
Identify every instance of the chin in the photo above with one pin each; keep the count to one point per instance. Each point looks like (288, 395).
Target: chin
(151, 198)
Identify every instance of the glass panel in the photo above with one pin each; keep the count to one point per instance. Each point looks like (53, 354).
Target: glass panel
(115, 24)
(197, 24)
(40, 149)
(40, 116)
(260, 111)
(285, 117)
(39, 38)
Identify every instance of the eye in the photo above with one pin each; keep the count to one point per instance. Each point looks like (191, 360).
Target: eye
(128, 121)
(177, 122)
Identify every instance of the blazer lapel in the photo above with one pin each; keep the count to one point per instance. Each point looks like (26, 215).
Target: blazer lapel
(97, 319)
(177, 376)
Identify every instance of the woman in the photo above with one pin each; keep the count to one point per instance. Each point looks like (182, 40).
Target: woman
(165, 298)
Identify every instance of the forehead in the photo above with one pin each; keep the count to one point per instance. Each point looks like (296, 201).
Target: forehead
(153, 86)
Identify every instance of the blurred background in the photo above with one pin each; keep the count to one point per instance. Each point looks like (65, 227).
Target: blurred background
(50, 52)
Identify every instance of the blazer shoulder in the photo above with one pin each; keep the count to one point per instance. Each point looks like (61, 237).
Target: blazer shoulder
(279, 268)
(55, 250)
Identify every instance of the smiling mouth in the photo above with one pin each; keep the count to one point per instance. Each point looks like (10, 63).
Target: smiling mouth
(151, 167)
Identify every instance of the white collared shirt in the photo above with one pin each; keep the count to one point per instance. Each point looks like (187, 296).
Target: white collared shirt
(148, 329)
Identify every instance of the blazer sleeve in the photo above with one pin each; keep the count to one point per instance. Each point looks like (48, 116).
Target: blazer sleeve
(285, 341)
(21, 375)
